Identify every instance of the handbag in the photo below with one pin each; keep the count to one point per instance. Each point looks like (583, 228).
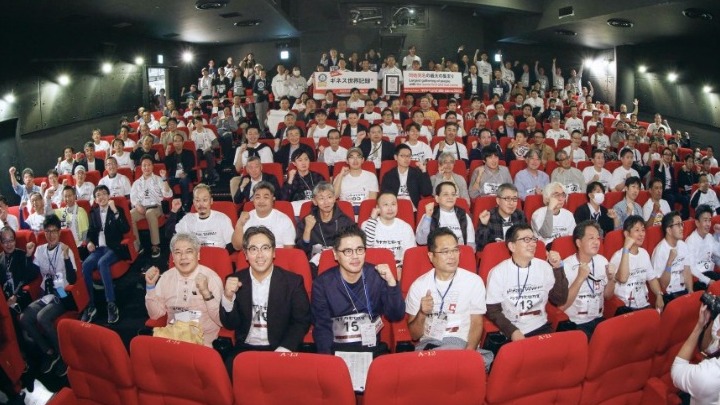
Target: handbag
(183, 331)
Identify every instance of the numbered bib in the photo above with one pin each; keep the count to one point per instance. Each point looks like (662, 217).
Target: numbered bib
(435, 326)
(353, 328)
(356, 198)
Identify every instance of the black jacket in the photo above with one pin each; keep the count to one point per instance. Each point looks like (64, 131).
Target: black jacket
(243, 194)
(418, 184)
(468, 87)
(659, 173)
(116, 225)
(99, 165)
(582, 213)
(388, 149)
(288, 309)
(22, 271)
(187, 158)
(282, 156)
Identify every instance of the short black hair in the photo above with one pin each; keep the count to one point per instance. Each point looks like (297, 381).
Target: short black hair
(667, 220)
(258, 230)
(591, 186)
(631, 221)
(436, 233)
(581, 228)
(512, 232)
(52, 220)
(703, 209)
(633, 180)
(444, 183)
(402, 147)
(348, 232)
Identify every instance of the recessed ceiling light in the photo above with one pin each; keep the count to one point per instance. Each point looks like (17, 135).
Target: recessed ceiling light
(248, 23)
(64, 80)
(642, 68)
(707, 89)
(620, 23)
(139, 60)
(698, 13)
(187, 56)
(9, 98)
(564, 32)
(210, 4)
(106, 67)
(672, 77)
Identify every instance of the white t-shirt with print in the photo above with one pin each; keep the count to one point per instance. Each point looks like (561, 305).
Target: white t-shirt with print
(357, 189)
(677, 269)
(588, 304)
(279, 224)
(215, 230)
(634, 292)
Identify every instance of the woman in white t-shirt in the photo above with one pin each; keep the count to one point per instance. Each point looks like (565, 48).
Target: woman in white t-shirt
(635, 272)
(353, 183)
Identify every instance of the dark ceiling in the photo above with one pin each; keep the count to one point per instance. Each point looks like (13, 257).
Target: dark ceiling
(523, 21)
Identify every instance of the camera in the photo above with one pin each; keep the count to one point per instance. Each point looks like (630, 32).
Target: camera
(712, 302)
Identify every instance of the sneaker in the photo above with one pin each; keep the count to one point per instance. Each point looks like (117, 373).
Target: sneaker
(155, 252)
(89, 314)
(49, 362)
(113, 313)
(60, 368)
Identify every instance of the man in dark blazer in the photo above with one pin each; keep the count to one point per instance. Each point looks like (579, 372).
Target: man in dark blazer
(108, 220)
(375, 149)
(283, 154)
(671, 192)
(14, 263)
(254, 175)
(469, 89)
(266, 306)
(89, 162)
(180, 164)
(417, 183)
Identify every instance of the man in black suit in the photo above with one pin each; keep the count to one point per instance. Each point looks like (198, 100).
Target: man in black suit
(282, 156)
(398, 114)
(417, 182)
(375, 149)
(473, 84)
(180, 164)
(109, 221)
(671, 193)
(266, 306)
(16, 271)
(89, 162)
(244, 184)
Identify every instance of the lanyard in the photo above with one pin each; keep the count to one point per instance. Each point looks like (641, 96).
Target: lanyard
(51, 263)
(305, 182)
(592, 290)
(351, 295)
(522, 290)
(442, 296)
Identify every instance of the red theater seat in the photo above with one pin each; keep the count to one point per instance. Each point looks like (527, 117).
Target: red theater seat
(291, 378)
(172, 372)
(546, 369)
(98, 363)
(620, 360)
(424, 378)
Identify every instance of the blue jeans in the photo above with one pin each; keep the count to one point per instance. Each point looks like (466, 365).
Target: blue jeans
(184, 184)
(101, 258)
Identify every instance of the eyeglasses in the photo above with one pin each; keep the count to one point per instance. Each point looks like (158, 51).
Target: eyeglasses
(676, 224)
(559, 195)
(254, 250)
(448, 195)
(349, 251)
(448, 252)
(405, 156)
(8, 241)
(52, 231)
(509, 199)
(527, 239)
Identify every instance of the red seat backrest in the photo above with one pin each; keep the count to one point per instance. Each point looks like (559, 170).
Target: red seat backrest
(551, 367)
(416, 262)
(565, 246)
(159, 365)
(98, 363)
(345, 207)
(576, 200)
(226, 207)
(295, 260)
(216, 259)
(532, 204)
(404, 212)
(620, 360)
(282, 378)
(436, 377)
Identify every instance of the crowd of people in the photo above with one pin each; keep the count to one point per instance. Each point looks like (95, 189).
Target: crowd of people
(433, 156)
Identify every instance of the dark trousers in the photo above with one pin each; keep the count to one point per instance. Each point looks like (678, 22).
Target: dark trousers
(589, 327)
(672, 197)
(184, 184)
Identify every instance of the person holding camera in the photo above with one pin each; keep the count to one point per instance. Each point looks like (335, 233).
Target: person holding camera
(702, 380)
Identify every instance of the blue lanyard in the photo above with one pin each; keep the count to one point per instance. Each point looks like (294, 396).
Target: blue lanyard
(51, 263)
(351, 295)
(518, 281)
(442, 296)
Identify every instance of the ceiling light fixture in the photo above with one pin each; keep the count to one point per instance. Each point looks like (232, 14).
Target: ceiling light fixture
(248, 23)
(9, 98)
(187, 56)
(672, 77)
(106, 67)
(642, 68)
(707, 89)
(620, 23)
(210, 4)
(566, 33)
(698, 13)
(64, 80)
(139, 60)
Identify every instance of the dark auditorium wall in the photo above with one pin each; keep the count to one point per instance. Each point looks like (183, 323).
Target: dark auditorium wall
(683, 103)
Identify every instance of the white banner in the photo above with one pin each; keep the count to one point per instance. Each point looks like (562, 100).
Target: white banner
(342, 82)
(432, 82)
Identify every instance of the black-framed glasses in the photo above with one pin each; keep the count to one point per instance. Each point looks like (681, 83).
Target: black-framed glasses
(527, 239)
(448, 252)
(349, 251)
(8, 241)
(509, 199)
(253, 250)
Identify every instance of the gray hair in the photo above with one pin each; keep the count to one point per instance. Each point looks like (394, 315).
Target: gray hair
(505, 186)
(185, 237)
(322, 187)
(445, 156)
(550, 188)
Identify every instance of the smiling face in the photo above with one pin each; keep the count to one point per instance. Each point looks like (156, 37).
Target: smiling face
(388, 205)
(263, 200)
(520, 248)
(260, 253)
(446, 256)
(350, 265)
(202, 201)
(186, 257)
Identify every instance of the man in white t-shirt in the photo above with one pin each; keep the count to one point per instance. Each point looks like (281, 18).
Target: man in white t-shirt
(118, 184)
(333, 153)
(555, 132)
(553, 221)
(598, 139)
(385, 230)
(252, 148)
(597, 172)
(410, 58)
(704, 247)
(353, 183)
(146, 196)
(520, 287)
(212, 228)
(634, 270)
(446, 305)
(445, 214)
(625, 171)
(265, 215)
(575, 149)
(205, 143)
(7, 219)
(573, 122)
(655, 207)
(671, 259)
(591, 279)
(450, 144)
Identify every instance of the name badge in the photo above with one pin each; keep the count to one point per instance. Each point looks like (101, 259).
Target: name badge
(435, 326)
(348, 328)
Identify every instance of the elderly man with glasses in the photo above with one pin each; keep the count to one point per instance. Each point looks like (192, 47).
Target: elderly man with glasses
(494, 224)
(519, 287)
(553, 221)
(350, 299)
